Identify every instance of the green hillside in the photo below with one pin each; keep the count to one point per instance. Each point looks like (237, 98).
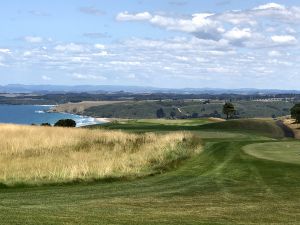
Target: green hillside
(147, 109)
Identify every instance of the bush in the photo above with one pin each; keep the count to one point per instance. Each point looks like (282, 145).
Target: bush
(160, 113)
(65, 123)
(46, 124)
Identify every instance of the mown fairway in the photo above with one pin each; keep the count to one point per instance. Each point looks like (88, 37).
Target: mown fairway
(222, 185)
(288, 152)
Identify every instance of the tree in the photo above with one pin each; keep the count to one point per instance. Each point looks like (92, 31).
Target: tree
(172, 114)
(195, 115)
(295, 112)
(228, 109)
(65, 123)
(160, 113)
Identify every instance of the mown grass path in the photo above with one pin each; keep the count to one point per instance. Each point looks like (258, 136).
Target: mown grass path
(222, 185)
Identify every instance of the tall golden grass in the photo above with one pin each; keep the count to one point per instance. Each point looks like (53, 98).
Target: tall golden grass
(39, 155)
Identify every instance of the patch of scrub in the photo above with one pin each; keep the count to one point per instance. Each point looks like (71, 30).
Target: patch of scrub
(288, 152)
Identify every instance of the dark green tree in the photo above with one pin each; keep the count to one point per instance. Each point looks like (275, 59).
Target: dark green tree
(172, 114)
(65, 123)
(195, 115)
(46, 125)
(160, 113)
(295, 112)
(228, 110)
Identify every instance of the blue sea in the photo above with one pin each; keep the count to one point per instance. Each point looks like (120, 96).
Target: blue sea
(37, 114)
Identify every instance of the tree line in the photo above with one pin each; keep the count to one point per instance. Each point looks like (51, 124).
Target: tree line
(229, 111)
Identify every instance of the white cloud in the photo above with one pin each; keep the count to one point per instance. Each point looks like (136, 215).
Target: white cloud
(80, 76)
(5, 51)
(270, 6)
(99, 46)
(238, 34)
(102, 53)
(217, 70)
(200, 25)
(125, 16)
(126, 63)
(72, 47)
(252, 45)
(46, 78)
(274, 53)
(33, 39)
(27, 53)
(243, 28)
(291, 30)
(284, 39)
(182, 58)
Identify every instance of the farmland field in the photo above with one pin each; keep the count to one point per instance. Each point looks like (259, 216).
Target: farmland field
(221, 185)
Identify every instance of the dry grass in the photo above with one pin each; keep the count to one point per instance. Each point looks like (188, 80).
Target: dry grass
(291, 124)
(37, 155)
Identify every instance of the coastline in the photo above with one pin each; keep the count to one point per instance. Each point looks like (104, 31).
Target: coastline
(103, 120)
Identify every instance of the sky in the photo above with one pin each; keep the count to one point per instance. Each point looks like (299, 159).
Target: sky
(160, 43)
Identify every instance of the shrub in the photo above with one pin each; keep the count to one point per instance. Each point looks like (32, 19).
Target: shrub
(46, 124)
(65, 123)
(160, 113)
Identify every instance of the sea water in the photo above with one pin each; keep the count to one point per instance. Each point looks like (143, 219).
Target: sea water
(37, 114)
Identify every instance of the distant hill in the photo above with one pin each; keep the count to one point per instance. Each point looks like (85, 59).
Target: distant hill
(43, 89)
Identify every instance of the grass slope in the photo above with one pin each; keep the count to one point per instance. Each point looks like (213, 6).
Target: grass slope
(265, 127)
(222, 185)
(283, 151)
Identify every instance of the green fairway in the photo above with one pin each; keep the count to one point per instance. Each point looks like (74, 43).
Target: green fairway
(284, 151)
(186, 122)
(222, 185)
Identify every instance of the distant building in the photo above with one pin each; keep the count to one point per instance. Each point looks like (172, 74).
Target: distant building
(274, 100)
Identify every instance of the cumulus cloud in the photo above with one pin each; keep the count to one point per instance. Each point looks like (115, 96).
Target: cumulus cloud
(250, 45)
(125, 16)
(99, 46)
(284, 39)
(80, 76)
(270, 6)
(237, 34)
(238, 27)
(96, 35)
(46, 78)
(5, 50)
(187, 60)
(33, 39)
(274, 53)
(72, 47)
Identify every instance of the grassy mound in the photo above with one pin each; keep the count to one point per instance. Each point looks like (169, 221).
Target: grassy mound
(265, 127)
(38, 155)
(288, 152)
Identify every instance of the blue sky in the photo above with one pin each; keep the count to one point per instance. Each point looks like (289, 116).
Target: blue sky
(162, 43)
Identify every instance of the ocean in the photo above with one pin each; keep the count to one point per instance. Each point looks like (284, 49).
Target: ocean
(37, 114)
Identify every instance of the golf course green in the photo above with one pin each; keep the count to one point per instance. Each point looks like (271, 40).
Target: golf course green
(288, 152)
(247, 173)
